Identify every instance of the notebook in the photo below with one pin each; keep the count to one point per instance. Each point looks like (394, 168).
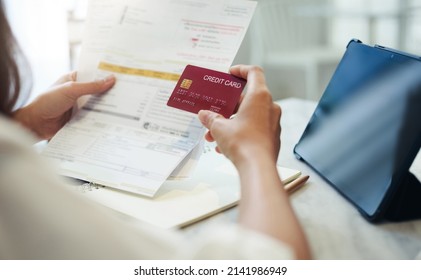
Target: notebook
(212, 188)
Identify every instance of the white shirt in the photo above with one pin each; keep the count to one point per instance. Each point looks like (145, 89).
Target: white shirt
(41, 218)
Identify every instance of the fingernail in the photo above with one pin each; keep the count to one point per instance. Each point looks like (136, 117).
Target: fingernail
(109, 79)
(204, 116)
(73, 76)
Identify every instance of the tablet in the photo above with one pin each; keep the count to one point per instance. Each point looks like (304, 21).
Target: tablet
(366, 131)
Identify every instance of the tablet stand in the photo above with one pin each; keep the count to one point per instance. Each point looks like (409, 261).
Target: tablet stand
(406, 201)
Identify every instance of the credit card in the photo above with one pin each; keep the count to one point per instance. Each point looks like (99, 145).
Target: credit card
(204, 89)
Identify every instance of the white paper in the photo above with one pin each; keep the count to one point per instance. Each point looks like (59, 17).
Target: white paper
(214, 187)
(129, 139)
(102, 16)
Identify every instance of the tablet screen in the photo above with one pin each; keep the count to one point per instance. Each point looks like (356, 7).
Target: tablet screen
(365, 131)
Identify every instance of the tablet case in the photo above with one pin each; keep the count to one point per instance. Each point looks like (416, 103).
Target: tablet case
(400, 198)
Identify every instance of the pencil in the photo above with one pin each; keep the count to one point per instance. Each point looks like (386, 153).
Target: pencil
(296, 184)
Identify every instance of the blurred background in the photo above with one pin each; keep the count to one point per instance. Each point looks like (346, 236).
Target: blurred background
(298, 42)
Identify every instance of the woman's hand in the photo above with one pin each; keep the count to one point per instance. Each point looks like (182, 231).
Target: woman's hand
(51, 110)
(255, 129)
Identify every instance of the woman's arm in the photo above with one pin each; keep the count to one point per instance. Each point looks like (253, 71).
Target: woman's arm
(251, 141)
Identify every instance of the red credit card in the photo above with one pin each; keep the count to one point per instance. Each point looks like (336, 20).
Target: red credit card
(204, 89)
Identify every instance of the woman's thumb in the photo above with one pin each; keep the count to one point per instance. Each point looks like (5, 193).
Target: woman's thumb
(207, 118)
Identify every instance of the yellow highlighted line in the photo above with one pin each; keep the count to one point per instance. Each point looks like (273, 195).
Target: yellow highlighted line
(138, 72)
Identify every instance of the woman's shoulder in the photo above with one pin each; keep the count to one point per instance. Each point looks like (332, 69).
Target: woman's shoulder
(16, 145)
(11, 133)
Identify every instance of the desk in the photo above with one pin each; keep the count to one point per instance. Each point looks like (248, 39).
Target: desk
(334, 228)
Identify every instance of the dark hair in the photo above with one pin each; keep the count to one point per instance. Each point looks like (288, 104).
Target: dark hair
(11, 58)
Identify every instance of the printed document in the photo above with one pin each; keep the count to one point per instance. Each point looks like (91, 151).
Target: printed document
(129, 138)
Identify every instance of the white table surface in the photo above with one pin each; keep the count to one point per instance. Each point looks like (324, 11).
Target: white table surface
(334, 228)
